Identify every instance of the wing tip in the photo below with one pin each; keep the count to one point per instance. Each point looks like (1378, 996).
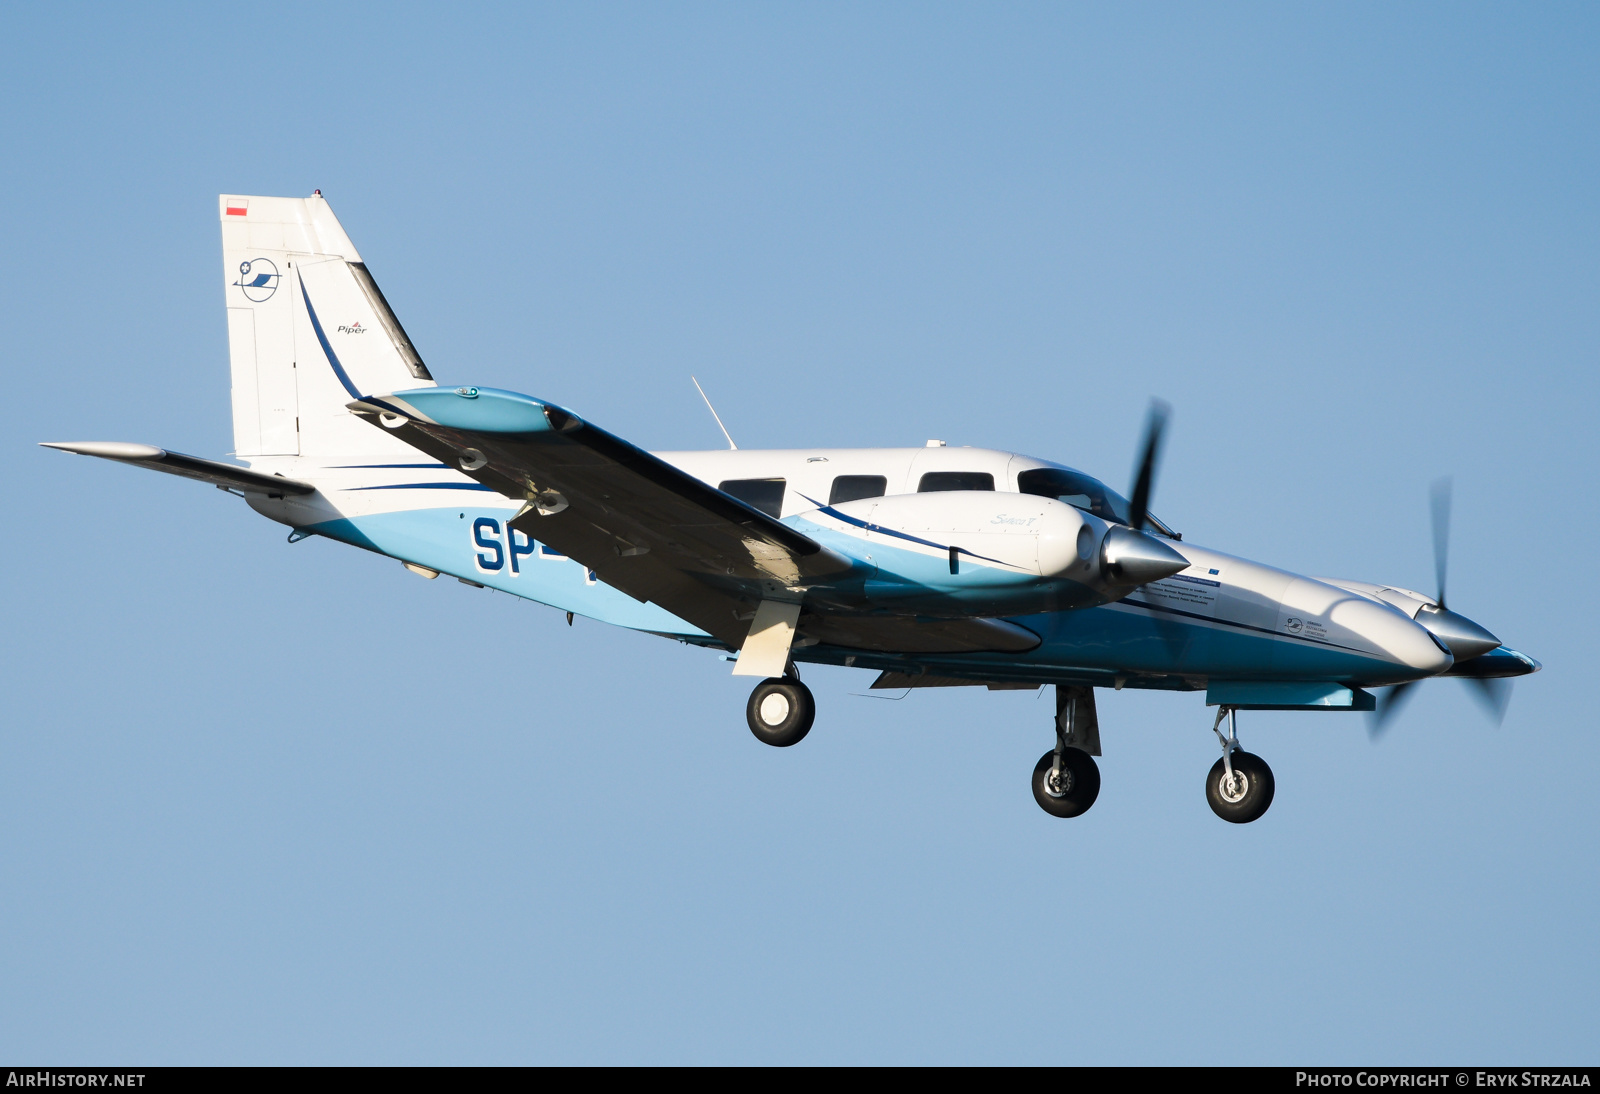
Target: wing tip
(113, 450)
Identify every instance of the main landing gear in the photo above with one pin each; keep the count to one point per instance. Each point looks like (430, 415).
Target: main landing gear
(1066, 781)
(1239, 787)
(780, 710)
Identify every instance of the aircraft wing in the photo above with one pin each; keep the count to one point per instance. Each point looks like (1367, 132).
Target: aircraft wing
(643, 526)
(228, 476)
(651, 530)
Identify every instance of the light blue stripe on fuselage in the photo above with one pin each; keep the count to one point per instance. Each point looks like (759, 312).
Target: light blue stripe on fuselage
(460, 546)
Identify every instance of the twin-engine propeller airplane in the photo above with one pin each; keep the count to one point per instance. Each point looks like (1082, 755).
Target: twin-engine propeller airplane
(934, 566)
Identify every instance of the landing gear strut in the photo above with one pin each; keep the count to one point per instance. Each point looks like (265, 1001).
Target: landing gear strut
(1066, 781)
(1239, 788)
(780, 710)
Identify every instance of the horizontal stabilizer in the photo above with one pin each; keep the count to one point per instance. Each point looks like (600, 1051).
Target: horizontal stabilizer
(190, 467)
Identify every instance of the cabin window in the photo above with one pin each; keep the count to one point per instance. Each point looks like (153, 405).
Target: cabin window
(763, 494)
(955, 480)
(855, 487)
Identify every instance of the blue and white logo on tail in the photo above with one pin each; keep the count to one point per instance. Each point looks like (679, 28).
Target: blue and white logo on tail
(258, 279)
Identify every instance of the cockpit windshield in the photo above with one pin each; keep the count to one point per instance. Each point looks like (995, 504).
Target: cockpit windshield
(1078, 489)
(1090, 495)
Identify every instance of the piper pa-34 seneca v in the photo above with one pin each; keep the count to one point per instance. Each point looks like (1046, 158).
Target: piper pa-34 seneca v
(933, 566)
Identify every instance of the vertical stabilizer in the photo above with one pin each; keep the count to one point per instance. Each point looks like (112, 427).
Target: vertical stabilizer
(308, 331)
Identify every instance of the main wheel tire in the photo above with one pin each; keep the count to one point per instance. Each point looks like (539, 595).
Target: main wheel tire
(1077, 788)
(1250, 794)
(780, 711)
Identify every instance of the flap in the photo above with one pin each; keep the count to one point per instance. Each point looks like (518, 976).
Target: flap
(891, 680)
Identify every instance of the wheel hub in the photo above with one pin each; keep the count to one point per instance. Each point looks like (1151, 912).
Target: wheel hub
(1058, 782)
(774, 708)
(1234, 790)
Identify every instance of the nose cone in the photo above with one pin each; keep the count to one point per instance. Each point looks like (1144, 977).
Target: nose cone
(1464, 637)
(1133, 558)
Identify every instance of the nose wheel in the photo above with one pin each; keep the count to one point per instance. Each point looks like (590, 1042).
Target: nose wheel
(1239, 788)
(780, 711)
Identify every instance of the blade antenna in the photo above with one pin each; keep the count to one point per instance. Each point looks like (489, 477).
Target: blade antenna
(714, 414)
(1441, 531)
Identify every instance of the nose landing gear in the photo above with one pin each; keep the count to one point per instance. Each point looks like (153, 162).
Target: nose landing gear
(1239, 788)
(780, 711)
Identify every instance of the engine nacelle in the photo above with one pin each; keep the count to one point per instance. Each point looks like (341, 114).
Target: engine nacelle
(985, 552)
(1016, 533)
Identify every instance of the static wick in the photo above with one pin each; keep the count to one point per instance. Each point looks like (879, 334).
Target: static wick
(714, 414)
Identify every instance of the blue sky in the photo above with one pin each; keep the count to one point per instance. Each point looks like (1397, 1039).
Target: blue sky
(270, 803)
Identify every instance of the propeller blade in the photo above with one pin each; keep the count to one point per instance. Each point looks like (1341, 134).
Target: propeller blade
(1389, 704)
(1441, 531)
(1493, 694)
(1155, 424)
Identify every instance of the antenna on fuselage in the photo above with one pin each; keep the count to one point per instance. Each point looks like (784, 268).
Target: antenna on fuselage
(714, 414)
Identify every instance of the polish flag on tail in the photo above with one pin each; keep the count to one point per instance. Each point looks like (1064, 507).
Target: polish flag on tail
(238, 207)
